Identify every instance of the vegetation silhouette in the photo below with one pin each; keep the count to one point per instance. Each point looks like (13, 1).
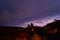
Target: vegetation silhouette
(50, 31)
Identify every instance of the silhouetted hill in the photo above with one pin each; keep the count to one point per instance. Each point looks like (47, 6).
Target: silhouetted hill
(49, 32)
(53, 25)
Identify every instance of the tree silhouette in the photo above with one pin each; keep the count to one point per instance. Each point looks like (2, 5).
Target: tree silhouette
(32, 25)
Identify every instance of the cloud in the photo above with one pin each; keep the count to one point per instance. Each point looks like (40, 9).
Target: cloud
(16, 12)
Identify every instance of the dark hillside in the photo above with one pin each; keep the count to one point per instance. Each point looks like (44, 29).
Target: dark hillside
(49, 32)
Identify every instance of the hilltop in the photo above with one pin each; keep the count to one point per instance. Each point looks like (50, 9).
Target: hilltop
(49, 32)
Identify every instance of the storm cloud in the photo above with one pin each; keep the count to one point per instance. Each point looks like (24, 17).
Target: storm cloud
(16, 12)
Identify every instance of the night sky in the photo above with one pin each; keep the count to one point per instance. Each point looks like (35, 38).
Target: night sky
(23, 12)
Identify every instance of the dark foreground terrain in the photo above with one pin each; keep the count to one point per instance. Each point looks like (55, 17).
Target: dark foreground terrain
(49, 32)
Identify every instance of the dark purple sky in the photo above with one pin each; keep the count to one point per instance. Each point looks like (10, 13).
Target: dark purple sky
(22, 12)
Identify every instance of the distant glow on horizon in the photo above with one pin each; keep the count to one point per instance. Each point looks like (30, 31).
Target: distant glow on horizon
(42, 22)
(37, 23)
